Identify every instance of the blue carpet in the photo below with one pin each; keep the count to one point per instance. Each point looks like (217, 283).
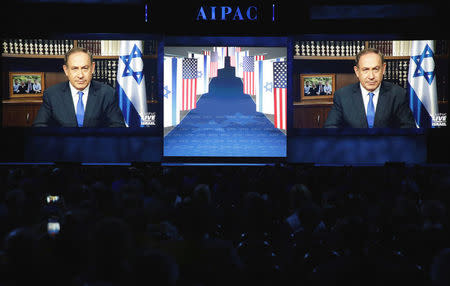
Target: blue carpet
(225, 123)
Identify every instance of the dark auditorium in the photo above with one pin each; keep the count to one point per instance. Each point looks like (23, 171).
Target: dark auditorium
(217, 143)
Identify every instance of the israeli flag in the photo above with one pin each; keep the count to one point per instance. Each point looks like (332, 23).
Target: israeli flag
(422, 83)
(203, 66)
(172, 92)
(131, 83)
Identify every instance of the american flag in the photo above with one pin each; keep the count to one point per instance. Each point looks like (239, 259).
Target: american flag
(189, 94)
(206, 53)
(280, 93)
(214, 65)
(249, 75)
(260, 57)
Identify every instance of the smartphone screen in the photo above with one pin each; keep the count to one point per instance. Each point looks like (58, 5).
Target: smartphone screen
(53, 228)
(52, 199)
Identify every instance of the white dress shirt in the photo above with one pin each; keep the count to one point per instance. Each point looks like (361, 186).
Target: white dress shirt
(327, 89)
(75, 96)
(366, 97)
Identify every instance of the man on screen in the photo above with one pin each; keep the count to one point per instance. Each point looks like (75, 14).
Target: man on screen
(371, 103)
(80, 102)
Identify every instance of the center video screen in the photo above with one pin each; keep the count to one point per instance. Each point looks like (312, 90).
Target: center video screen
(225, 101)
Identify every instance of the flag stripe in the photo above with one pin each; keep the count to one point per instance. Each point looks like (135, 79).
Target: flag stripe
(182, 98)
(129, 112)
(193, 94)
(205, 75)
(189, 93)
(174, 91)
(422, 117)
(275, 107)
(283, 107)
(249, 83)
(261, 88)
(280, 107)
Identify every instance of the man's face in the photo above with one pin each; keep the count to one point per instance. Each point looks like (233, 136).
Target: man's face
(79, 70)
(370, 71)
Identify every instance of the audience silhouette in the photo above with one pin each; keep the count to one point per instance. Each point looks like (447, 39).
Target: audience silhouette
(68, 224)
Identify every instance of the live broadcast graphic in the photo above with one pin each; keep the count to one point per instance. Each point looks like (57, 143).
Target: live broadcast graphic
(225, 101)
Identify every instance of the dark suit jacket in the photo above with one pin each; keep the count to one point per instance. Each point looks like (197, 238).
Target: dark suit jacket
(392, 108)
(102, 107)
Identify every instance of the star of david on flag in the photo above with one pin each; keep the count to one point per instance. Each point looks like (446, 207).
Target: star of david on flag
(167, 91)
(422, 86)
(268, 86)
(131, 83)
(127, 60)
(418, 59)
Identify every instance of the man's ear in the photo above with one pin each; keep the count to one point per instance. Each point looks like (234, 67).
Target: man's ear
(355, 68)
(65, 69)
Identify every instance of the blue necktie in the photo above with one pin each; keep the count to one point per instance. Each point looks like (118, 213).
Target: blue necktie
(370, 111)
(80, 109)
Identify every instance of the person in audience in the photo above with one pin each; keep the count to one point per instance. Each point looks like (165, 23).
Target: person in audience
(111, 252)
(154, 267)
(440, 276)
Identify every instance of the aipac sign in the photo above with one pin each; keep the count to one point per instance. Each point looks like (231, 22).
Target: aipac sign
(227, 13)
